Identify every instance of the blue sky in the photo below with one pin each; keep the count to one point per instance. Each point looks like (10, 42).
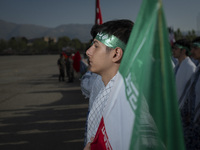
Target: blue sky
(51, 13)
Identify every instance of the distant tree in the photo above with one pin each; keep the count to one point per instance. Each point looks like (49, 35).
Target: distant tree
(12, 43)
(76, 44)
(191, 35)
(22, 45)
(24, 39)
(63, 42)
(85, 46)
(3, 45)
(178, 34)
(39, 46)
(52, 46)
(18, 45)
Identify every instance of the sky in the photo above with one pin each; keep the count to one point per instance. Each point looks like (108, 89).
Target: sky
(181, 14)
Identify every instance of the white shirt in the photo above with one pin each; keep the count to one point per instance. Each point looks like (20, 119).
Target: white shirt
(184, 73)
(197, 98)
(97, 109)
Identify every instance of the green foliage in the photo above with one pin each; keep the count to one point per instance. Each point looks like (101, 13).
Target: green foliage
(178, 34)
(76, 44)
(39, 45)
(18, 45)
(12, 43)
(190, 35)
(63, 42)
(3, 45)
(42, 46)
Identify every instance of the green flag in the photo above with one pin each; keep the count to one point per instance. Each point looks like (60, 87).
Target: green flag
(147, 61)
(142, 110)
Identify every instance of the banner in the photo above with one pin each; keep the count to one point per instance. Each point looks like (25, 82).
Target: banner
(142, 111)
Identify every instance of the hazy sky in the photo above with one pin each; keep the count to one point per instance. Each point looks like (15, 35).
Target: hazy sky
(51, 13)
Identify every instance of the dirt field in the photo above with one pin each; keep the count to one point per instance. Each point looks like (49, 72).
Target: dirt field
(36, 110)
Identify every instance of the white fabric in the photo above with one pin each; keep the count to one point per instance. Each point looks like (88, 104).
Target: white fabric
(184, 73)
(87, 81)
(197, 99)
(97, 109)
(91, 84)
(96, 88)
(175, 60)
(119, 117)
(119, 123)
(197, 91)
(173, 65)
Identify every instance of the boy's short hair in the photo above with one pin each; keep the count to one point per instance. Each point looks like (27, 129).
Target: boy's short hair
(197, 39)
(183, 44)
(119, 28)
(196, 43)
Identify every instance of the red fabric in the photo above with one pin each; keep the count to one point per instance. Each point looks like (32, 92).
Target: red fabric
(101, 141)
(76, 63)
(98, 19)
(65, 55)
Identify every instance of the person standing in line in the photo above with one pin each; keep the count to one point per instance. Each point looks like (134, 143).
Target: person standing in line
(105, 56)
(189, 104)
(196, 120)
(69, 68)
(61, 66)
(185, 67)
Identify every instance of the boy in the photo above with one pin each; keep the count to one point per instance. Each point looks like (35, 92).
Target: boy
(105, 56)
(185, 68)
(189, 103)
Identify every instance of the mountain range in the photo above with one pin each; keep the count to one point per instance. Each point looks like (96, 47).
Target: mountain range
(30, 31)
(79, 31)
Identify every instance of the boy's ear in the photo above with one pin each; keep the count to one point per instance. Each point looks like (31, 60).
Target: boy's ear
(117, 54)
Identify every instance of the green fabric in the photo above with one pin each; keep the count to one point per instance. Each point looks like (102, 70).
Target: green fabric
(196, 44)
(110, 40)
(147, 60)
(182, 47)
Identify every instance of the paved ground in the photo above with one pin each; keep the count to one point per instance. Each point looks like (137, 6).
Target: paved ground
(37, 112)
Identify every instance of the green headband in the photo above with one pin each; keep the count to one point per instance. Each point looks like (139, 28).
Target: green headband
(196, 44)
(182, 47)
(110, 40)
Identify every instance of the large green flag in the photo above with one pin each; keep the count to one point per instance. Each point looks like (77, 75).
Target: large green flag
(142, 110)
(147, 59)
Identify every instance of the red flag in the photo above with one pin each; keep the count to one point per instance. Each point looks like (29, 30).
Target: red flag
(76, 63)
(98, 19)
(101, 141)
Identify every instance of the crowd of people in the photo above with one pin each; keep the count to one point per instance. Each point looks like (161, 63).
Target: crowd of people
(70, 64)
(187, 72)
(105, 55)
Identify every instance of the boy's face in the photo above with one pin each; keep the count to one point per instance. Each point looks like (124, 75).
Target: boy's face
(100, 60)
(196, 53)
(176, 52)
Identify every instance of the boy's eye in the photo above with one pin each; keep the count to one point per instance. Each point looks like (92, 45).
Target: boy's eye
(95, 45)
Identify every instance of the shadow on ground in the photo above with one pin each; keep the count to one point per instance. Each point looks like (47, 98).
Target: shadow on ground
(55, 126)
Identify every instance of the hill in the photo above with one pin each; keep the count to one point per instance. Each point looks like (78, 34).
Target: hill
(80, 31)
